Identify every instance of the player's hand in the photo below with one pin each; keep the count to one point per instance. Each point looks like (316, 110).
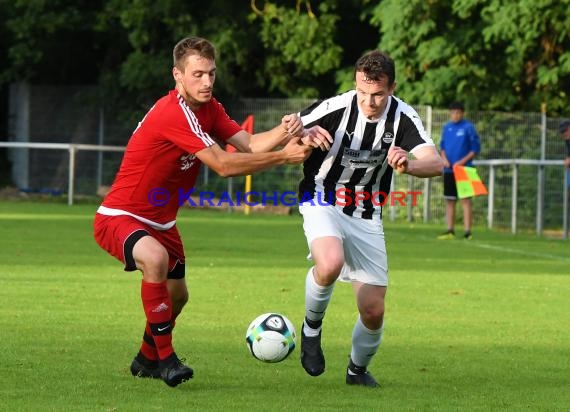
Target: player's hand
(296, 152)
(446, 163)
(316, 136)
(398, 159)
(292, 124)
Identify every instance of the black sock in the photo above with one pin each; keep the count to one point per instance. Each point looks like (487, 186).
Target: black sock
(358, 370)
(313, 324)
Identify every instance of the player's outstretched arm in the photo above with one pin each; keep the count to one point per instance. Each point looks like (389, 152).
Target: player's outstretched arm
(290, 127)
(238, 164)
(426, 162)
(317, 137)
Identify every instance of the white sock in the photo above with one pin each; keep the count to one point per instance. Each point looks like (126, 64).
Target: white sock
(365, 343)
(317, 299)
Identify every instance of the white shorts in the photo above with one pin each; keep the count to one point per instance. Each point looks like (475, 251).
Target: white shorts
(362, 240)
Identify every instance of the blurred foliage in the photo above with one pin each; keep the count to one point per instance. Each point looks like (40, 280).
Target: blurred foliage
(494, 55)
(299, 46)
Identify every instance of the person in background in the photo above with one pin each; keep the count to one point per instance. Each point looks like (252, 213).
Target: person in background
(459, 146)
(136, 223)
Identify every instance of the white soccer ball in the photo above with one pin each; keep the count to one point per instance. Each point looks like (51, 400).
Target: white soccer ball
(271, 337)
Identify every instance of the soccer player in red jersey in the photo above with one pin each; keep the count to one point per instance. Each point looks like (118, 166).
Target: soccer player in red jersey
(136, 223)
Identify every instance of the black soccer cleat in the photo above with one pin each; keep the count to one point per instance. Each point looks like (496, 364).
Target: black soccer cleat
(173, 372)
(141, 367)
(362, 379)
(361, 376)
(312, 357)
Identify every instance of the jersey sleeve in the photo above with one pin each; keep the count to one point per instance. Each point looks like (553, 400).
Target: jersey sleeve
(224, 127)
(474, 139)
(411, 134)
(187, 133)
(327, 113)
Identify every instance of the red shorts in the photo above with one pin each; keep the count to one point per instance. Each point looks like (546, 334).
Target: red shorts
(118, 235)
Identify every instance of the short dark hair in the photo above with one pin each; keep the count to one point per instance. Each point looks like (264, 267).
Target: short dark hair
(457, 106)
(563, 126)
(376, 64)
(190, 46)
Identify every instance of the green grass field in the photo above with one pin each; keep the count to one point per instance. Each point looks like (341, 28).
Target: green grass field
(475, 325)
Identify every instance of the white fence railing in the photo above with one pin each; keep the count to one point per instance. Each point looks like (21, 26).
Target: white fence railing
(72, 149)
(514, 165)
(492, 166)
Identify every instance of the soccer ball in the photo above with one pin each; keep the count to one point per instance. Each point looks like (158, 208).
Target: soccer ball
(271, 337)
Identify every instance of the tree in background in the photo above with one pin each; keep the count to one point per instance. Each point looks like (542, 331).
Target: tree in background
(494, 55)
(298, 46)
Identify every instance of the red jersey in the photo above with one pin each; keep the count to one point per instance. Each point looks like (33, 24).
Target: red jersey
(160, 166)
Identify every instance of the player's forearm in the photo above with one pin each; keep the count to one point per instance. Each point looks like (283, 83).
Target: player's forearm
(269, 140)
(427, 167)
(240, 164)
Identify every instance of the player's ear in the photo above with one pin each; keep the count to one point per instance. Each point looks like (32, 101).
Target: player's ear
(177, 74)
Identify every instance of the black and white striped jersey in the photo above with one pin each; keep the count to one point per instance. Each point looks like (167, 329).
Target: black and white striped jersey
(356, 163)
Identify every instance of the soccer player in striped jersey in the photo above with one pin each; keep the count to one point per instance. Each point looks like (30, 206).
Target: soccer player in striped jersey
(365, 134)
(136, 223)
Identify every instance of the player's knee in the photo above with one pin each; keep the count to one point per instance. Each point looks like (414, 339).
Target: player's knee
(328, 270)
(372, 316)
(153, 262)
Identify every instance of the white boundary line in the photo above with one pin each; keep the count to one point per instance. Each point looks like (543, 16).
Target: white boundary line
(517, 252)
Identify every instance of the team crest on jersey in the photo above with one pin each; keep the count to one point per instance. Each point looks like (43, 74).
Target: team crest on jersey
(187, 161)
(388, 137)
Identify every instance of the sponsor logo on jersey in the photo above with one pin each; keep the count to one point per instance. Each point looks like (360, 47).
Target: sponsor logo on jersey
(356, 159)
(187, 161)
